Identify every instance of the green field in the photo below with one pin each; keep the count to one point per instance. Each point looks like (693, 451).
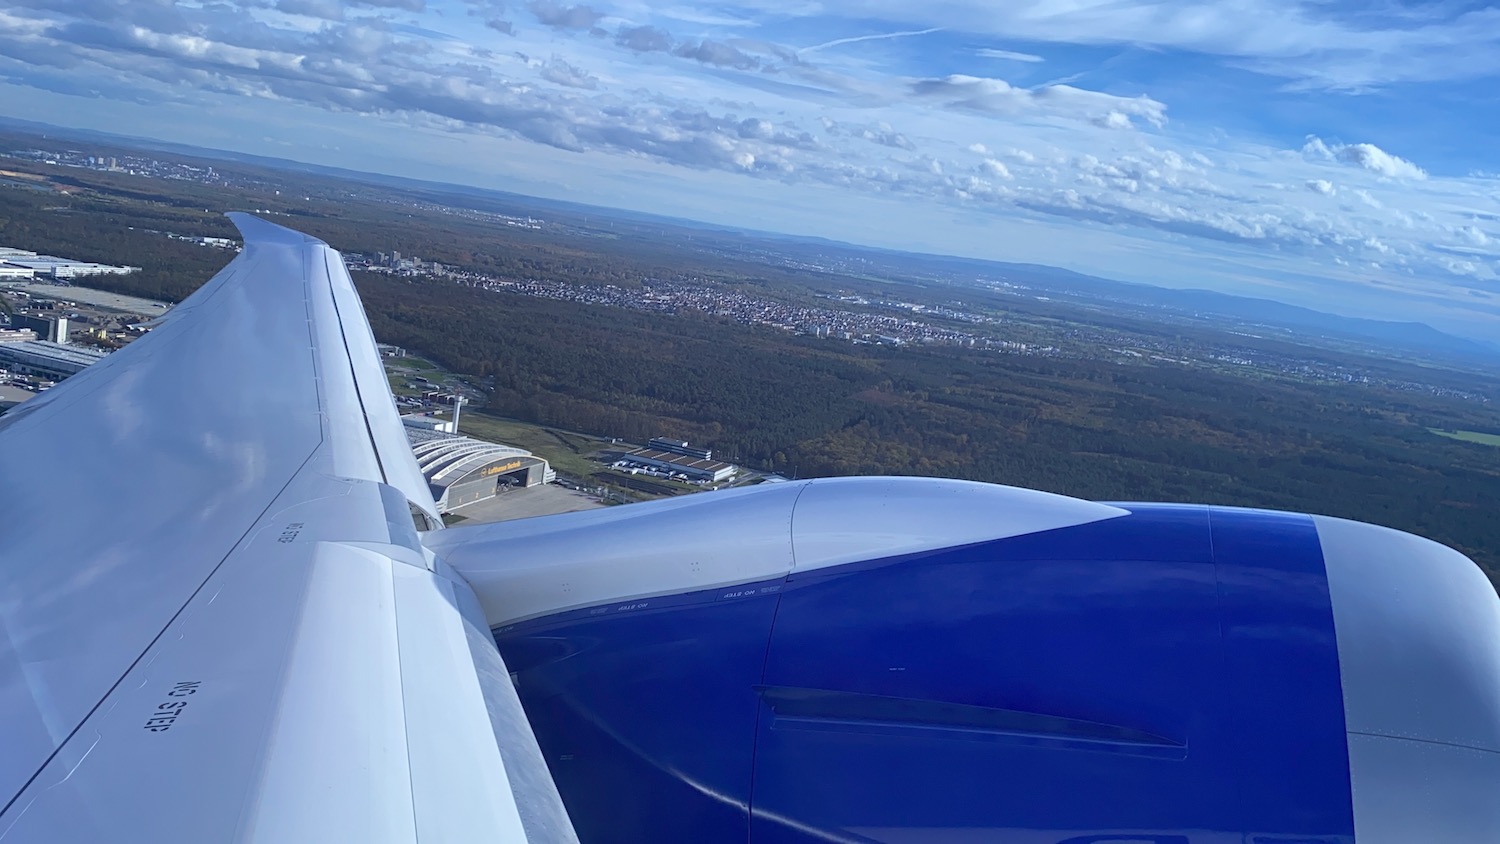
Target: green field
(566, 451)
(401, 371)
(1469, 436)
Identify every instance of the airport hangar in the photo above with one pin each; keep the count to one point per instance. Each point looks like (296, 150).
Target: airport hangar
(462, 471)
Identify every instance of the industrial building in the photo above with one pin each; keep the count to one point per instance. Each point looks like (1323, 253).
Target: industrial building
(460, 470)
(53, 266)
(693, 468)
(46, 359)
(54, 329)
(679, 447)
(429, 423)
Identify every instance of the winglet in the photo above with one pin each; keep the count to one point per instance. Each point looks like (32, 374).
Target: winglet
(255, 230)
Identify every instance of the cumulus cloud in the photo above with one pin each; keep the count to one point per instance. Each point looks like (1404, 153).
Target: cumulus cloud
(991, 167)
(368, 68)
(885, 136)
(993, 96)
(1114, 120)
(999, 98)
(718, 54)
(1367, 156)
(880, 133)
(1377, 160)
(1473, 235)
(558, 16)
(1070, 100)
(559, 72)
(755, 127)
(331, 10)
(1316, 149)
(1041, 156)
(644, 39)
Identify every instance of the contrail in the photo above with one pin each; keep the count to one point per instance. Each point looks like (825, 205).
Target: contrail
(838, 41)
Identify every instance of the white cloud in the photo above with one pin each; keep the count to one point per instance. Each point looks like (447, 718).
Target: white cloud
(991, 167)
(560, 72)
(1114, 120)
(1473, 235)
(839, 42)
(1367, 156)
(331, 10)
(1314, 43)
(1377, 160)
(755, 117)
(717, 53)
(1008, 55)
(1316, 149)
(644, 39)
(880, 133)
(560, 16)
(999, 98)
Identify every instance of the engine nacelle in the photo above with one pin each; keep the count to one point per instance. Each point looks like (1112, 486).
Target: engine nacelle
(911, 660)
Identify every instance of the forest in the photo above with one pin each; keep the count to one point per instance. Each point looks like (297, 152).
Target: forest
(810, 407)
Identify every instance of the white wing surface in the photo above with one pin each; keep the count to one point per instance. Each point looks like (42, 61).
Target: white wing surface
(216, 620)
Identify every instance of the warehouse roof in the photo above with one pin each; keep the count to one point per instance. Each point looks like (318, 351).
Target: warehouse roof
(44, 350)
(444, 458)
(696, 463)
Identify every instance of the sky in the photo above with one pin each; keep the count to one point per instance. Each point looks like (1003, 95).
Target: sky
(1339, 155)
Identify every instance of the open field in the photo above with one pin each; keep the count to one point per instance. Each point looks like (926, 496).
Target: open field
(1469, 436)
(568, 452)
(78, 291)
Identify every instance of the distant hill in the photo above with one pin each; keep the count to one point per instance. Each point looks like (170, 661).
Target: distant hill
(1414, 336)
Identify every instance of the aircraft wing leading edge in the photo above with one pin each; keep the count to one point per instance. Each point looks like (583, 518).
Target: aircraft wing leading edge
(216, 619)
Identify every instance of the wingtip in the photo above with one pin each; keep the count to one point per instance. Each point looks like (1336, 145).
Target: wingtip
(253, 229)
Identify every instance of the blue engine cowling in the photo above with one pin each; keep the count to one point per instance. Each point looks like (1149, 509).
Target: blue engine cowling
(905, 661)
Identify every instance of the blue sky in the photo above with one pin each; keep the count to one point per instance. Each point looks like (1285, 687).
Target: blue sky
(1338, 155)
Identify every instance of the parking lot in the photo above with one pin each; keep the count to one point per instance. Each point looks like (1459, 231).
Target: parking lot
(86, 296)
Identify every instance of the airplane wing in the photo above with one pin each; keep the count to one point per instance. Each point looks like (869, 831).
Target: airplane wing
(216, 620)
